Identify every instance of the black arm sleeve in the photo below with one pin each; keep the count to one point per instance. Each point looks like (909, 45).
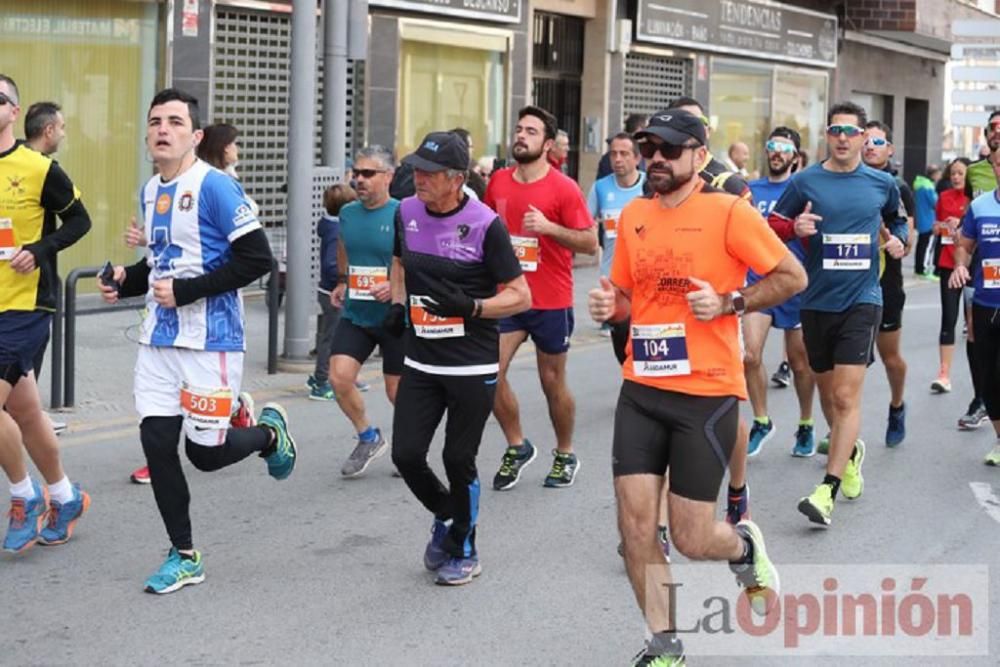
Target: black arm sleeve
(498, 253)
(59, 197)
(251, 259)
(397, 246)
(136, 280)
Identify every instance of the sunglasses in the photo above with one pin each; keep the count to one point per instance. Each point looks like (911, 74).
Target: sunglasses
(6, 100)
(877, 142)
(779, 147)
(368, 173)
(850, 131)
(648, 149)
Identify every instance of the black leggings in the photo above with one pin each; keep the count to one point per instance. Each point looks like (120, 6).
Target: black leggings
(420, 404)
(160, 437)
(986, 327)
(951, 300)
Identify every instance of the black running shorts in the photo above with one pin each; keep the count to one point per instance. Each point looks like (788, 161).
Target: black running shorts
(846, 338)
(359, 343)
(693, 436)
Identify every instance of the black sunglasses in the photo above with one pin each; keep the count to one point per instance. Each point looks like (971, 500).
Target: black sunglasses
(6, 100)
(368, 173)
(649, 149)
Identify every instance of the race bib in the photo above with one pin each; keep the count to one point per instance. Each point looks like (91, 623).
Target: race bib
(610, 227)
(207, 408)
(361, 279)
(526, 249)
(991, 273)
(947, 239)
(426, 325)
(659, 350)
(7, 244)
(847, 252)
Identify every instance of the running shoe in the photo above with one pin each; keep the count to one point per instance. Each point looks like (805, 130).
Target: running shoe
(895, 432)
(853, 482)
(759, 578)
(26, 520)
(759, 434)
(364, 453)
(738, 506)
(244, 415)
(310, 382)
(563, 472)
(362, 386)
(176, 573)
(604, 330)
(805, 441)
(942, 385)
(514, 460)
(140, 476)
(458, 571)
(974, 417)
(818, 505)
(322, 392)
(281, 461)
(63, 518)
(663, 533)
(824, 445)
(434, 555)
(993, 458)
(642, 659)
(783, 376)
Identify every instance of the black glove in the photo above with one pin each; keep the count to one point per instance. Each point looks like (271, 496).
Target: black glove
(448, 298)
(394, 321)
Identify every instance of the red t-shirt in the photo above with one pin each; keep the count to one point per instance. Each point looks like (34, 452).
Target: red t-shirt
(547, 265)
(951, 203)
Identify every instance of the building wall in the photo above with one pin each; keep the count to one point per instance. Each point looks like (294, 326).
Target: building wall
(868, 69)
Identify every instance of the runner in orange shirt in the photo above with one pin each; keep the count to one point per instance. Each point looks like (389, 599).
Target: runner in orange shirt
(679, 271)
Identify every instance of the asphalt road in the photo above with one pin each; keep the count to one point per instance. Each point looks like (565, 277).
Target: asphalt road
(321, 570)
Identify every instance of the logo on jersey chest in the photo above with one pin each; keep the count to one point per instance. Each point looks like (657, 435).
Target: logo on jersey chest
(186, 202)
(15, 185)
(163, 204)
(463, 231)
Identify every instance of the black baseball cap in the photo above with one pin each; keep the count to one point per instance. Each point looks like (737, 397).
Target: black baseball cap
(675, 126)
(439, 151)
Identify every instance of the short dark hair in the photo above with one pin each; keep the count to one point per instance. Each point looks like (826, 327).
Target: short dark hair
(172, 95)
(337, 196)
(879, 125)
(847, 109)
(635, 121)
(13, 86)
(626, 136)
(548, 120)
(931, 170)
(996, 112)
(787, 133)
(685, 101)
(463, 133)
(212, 148)
(40, 115)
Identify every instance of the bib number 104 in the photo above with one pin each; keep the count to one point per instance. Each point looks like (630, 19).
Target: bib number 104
(655, 348)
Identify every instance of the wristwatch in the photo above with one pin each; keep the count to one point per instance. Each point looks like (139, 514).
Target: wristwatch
(739, 303)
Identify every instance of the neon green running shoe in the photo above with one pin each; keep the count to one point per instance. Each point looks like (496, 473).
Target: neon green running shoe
(818, 506)
(853, 483)
(993, 458)
(824, 445)
(759, 579)
(643, 660)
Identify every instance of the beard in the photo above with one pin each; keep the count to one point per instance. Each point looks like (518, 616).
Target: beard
(993, 142)
(664, 181)
(782, 169)
(523, 155)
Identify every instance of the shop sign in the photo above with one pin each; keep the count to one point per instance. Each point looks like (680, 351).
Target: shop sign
(756, 28)
(505, 11)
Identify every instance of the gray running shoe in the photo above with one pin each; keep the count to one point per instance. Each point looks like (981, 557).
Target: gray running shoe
(362, 456)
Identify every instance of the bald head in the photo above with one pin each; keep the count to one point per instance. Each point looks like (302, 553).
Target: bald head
(739, 153)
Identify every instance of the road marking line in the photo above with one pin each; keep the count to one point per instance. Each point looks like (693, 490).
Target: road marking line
(985, 497)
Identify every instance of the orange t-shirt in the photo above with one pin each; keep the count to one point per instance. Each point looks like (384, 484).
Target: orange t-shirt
(713, 236)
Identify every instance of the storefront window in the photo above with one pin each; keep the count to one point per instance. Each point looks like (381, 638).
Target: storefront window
(741, 107)
(800, 102)
(444, 86)
(97, 60)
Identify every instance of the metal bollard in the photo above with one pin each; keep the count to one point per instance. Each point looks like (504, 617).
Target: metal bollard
(55, 397)
(273, 305)
(69, 390)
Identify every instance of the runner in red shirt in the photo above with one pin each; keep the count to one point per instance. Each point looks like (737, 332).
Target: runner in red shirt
(547, 217)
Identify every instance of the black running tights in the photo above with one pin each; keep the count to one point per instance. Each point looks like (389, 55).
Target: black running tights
(986, 327)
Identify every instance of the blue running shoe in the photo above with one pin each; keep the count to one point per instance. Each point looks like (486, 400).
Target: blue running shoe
(26, 520)
(759, 434)
(895, 432)
(63, 518)
(805, 441)
(458, 571)
(322, 392)
(434, 555)
(280, 462)
(176, 573)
